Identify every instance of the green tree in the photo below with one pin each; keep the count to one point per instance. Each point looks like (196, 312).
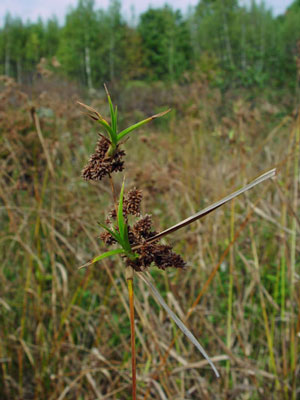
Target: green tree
(228, 43)
(241, 39)
(51, 37)
(110, 51)
(166, 43)
(133, 54)
(78, 42)
(288, 36)
(213, 23)
(34, 47)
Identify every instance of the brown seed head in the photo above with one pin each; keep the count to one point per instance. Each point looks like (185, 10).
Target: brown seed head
(160, 255)
(107, 238)
(164, 257)
(132, 202)
(143, 227)
(148, 253)
(100, 164)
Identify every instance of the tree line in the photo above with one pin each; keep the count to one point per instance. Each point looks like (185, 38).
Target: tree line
(218, 40)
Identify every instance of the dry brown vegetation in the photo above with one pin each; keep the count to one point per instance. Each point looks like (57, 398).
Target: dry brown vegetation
(65, 333)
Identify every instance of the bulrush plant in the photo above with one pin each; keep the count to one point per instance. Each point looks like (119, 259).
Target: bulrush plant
(131, 234)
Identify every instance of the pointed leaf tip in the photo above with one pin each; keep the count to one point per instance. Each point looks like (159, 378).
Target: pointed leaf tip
(161, 114)
(178, 322)
(86, 264)
(106, 90)
(102, 256)
(139, 124)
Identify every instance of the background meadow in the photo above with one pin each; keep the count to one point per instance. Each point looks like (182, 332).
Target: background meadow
(230, 74)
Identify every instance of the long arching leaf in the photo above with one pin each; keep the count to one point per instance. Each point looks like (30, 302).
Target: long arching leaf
(102, 256)
(138, 124)
(178, 322)
(115, 235)
(113, 116)
(212, 207)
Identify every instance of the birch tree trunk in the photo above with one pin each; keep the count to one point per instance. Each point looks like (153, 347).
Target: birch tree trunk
(226, 34)
(19, 71)
(171, 59)
(243, 42)
(88, 69)
(7, 58)
(111, 56)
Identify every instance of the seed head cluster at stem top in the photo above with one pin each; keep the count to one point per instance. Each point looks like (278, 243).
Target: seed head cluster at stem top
(108, 158)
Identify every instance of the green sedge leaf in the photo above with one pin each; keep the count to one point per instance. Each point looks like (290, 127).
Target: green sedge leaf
(121, 222)
(112, 112)
(132, 255)
(123, 241)
(126, 240)
(116, 120)
(91, 111)
(108, 254)
(139, 124)
(102, 256)
(110, 132)
(114, 234)
(105, 124)
(123, 228)
(95, 115)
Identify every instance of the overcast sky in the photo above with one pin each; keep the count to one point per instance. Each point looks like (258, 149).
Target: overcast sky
(32, 9)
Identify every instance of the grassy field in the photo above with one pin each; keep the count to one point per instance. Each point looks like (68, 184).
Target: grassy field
(65, 333)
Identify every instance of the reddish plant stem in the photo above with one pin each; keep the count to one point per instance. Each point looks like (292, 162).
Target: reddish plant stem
(113, 191)
(133, 355)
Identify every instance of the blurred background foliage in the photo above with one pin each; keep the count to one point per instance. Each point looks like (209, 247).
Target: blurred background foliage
(227, 43)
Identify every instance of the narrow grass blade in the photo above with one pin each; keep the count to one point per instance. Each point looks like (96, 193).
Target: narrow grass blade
(138, 124)
(95, 115)
(121, 222)
(43, 142)
(108, 130)
(92, 112)
(112, 112)
(126, 243)
(102, 256)
(178, 322)
(115, 235)
(214, 206)
(123, 228)
(116, 121)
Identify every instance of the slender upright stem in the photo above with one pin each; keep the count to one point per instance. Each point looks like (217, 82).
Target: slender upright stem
(113, 191)
(230, 292)
(293, 339)
(129, 277)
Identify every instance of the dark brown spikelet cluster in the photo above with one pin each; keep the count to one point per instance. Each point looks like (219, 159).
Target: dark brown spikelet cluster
(100, 164)
(140, 234)
(131, 204)
(159, 254)
(107, 238)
